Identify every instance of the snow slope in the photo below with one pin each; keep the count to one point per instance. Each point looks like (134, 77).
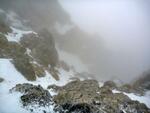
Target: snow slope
(9, 103)
(12, 77)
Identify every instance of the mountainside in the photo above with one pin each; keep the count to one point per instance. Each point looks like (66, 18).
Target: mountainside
(38, 76)
(39, 14)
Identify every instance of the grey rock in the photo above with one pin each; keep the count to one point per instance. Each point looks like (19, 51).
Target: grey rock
(33, 94)
(87, 97)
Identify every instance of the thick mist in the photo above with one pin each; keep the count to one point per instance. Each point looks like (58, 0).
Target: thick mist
(110, 36)
(123, 27)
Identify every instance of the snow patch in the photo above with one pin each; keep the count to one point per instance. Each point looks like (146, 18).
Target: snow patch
(49, 80)
(12, 77)
(116, 91)
(9, 73)
(17, 34)
(142, 99)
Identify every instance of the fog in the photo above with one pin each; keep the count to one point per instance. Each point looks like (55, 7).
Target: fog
(112, 37)
(123, 27)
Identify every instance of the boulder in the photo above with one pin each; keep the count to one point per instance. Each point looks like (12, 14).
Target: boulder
(33, 94)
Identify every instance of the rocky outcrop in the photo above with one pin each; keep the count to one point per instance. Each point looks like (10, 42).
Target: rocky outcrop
(42, 47)
(139, 86)
(39, 70)
(33, 94)
(17, 53)
(110, 84)
(87, 97)
(79, 97)
(24, 66)
(42, 50)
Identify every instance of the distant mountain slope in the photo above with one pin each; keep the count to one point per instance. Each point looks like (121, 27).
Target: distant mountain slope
(38, 13)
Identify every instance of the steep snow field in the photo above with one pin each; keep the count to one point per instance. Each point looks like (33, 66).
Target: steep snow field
(9, 103)
(12, 77)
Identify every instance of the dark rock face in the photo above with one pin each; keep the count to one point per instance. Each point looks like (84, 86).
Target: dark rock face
(1, 79)
(24, 66)
(33, 94)
(42, 47)
(21, 60)
(76, 108)
(43, 50)
(87, 97)
(17, 52)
